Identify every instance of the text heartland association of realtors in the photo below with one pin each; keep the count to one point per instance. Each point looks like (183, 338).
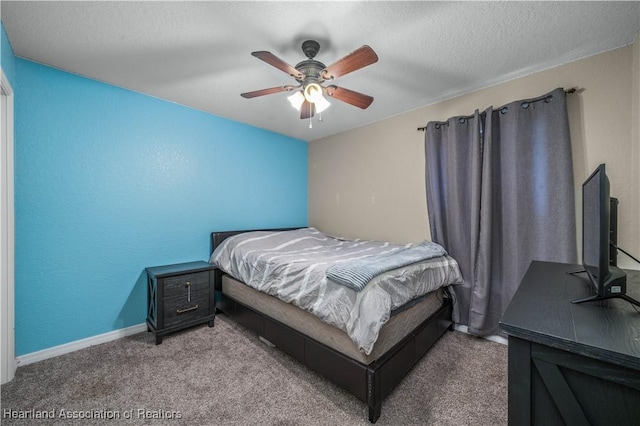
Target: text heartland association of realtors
(134, 413)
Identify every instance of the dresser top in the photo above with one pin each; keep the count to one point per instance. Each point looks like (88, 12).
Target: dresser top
(541, 311)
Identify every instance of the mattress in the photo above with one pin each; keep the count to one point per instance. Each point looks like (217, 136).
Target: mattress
(294, 266)
(393, 331)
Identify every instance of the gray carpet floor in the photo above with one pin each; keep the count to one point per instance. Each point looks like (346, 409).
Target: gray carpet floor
(226, 376)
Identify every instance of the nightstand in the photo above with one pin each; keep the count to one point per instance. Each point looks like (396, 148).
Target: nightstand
(179, 296)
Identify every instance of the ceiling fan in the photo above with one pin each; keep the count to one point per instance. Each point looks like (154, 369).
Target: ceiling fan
(310, 74)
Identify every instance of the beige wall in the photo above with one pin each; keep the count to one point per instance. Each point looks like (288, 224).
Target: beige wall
(369, 182)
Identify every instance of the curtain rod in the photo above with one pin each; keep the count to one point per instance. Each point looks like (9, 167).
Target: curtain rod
(567, 91)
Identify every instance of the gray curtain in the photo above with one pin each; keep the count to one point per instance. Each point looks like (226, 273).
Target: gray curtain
(500, 194)
(453, 176)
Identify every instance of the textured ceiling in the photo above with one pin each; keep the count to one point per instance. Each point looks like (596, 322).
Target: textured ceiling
(199, 53)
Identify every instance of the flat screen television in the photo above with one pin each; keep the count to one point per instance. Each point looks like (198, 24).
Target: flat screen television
(608, 280)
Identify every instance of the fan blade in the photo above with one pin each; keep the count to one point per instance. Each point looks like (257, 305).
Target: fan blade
(270, 91)
(349, 96)
(307, 110)
(273, 60)
(355, 60)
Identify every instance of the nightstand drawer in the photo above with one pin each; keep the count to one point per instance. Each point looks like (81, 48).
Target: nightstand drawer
(179, 285)
(179, 310)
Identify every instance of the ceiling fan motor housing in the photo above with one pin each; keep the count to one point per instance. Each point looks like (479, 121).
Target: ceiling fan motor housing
(311, 69)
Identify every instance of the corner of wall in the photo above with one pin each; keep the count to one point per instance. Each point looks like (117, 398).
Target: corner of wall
(7, 57)
(635, 130)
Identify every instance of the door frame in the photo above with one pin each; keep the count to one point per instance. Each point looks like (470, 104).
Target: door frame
(8, 363)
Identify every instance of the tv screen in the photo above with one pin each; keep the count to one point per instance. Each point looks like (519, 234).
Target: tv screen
(595, 226)
(609, 280)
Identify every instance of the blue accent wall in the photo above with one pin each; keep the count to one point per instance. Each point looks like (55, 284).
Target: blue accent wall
(109, 181)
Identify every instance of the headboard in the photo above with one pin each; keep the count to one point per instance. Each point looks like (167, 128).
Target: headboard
(218, 237)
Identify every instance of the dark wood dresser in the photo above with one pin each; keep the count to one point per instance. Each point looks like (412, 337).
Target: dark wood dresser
(179, 296)
(574, 364)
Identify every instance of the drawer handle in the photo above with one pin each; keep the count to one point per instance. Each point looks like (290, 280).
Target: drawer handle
(182, 311)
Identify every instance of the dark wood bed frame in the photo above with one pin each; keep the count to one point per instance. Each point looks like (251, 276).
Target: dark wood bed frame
(370, 383)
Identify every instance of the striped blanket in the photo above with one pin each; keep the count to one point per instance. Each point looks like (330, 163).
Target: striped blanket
(357, 272)
(293, 266)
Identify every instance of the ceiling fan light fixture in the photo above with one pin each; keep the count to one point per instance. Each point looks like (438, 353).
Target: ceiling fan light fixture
(313, 92)
(321, 104)
(316, 98)
(296, 100)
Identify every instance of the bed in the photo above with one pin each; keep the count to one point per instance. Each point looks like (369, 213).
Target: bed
(344, 308)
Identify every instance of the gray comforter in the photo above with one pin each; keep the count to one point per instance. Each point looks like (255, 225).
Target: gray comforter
(292, 266)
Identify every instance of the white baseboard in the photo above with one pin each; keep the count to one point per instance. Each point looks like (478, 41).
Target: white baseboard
(79, 344)
(497, 339)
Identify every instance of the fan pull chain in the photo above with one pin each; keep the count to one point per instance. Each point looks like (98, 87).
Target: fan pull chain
(310, 115)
